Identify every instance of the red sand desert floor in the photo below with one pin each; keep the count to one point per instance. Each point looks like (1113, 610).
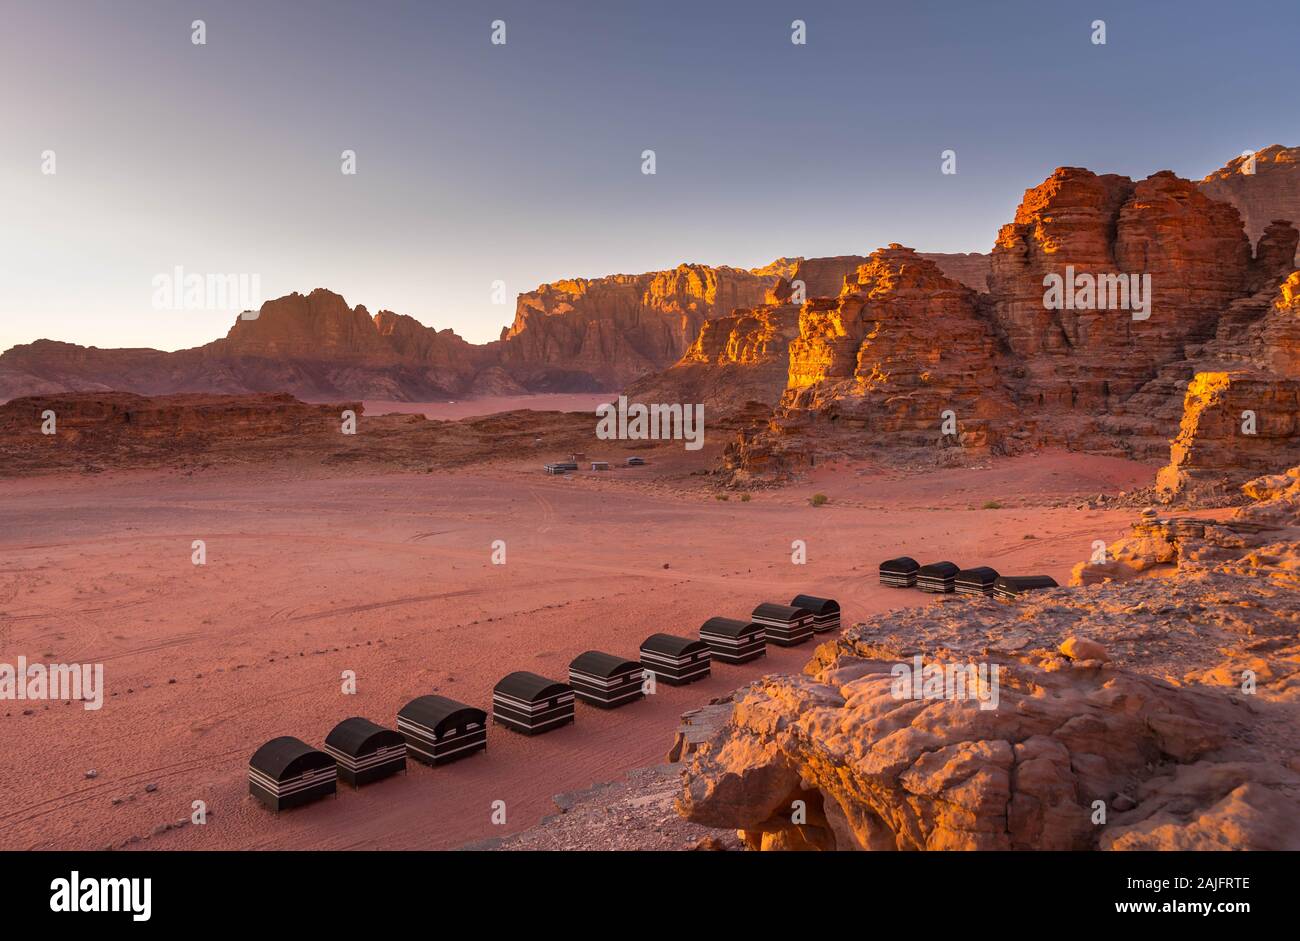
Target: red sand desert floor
(389, 575)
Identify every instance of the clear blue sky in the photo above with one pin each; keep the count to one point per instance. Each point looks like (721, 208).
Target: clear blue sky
(522, 162)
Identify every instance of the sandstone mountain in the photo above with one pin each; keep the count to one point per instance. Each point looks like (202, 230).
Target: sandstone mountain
(1264, 189)
(571, 335)
(878, 366)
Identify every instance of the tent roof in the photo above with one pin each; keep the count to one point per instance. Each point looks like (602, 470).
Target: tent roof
(944, 569)
(357, 736)
(672, 644)
(903, 563)
(816, 605)
(730, 627)
(439, 712)
(287, 756)
(529, 686)
(780, 612)
(602, 664)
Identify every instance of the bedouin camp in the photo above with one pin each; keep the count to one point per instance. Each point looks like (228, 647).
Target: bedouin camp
(439, 730)
(532, 704)
(287, 772)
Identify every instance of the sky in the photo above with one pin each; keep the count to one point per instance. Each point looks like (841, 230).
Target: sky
(522, 163)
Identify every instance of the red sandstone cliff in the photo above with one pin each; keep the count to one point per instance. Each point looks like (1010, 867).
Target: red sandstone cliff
(1271, 192)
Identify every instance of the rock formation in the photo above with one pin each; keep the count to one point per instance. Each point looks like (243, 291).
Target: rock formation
(618, 328)
(1270, 192)
(740, 358)
(95, 431)
(1143, 714)
(1175, 292)
(880, 365)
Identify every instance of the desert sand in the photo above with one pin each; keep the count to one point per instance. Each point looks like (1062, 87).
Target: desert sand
(311, 572)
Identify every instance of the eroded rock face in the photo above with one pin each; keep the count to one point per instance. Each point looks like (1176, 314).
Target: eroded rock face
(881, 364)
(1192, 247)
(1271, 192)
(1235, 425)
(740, 358)
(1176, 293)
(1163, 731)
(619, 328)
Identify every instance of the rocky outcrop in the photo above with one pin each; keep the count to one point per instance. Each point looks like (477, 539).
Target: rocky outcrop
(1271, 191)
(314, 346)
(619, 328)
(1155, 713)
(824, 277)
(95, 431)
(740, 358)
(1090, 359)
(1164, 286)
(901, 354)
(1235, 425)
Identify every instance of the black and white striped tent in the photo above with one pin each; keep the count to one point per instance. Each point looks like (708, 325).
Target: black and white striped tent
(899, 573)
(675, 660)
(1009, 586)
(532, 704)
(976, 581)
(937, 577)
(734, 641)
(605, 680)
(825, 611)
(365, 751)
(439, 730)
(287, 772)
(783, 624)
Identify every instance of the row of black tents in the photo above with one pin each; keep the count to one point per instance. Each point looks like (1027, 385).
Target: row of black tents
(287, 772)
(947, 577)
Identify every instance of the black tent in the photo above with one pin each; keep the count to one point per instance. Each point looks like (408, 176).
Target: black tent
(605, 680)
(439, 730)
(1009, 586)
(899, 573)
(825, 611)
(532, 704)
(675, 660)
(287, 772)
(937, 577)
(365, 751)
(784, 625)
(734, 641)
(976, 581)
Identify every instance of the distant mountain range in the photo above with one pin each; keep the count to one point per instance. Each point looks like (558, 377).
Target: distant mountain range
(571, 335)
